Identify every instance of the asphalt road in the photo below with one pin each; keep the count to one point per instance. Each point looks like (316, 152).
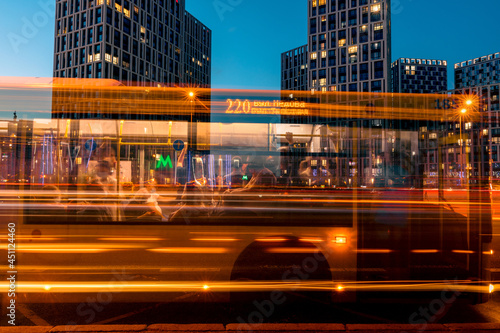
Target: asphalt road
(305, 311)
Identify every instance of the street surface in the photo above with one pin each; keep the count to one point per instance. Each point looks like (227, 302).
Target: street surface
(306, 311)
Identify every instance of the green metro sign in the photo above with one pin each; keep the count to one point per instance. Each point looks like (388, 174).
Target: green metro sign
(163, 162)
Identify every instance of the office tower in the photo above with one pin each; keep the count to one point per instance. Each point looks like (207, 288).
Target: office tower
(197, 52)
(422, 76)
(349, 44)
(131, 41)
(478, 80)
(294, 69)
(478, 72)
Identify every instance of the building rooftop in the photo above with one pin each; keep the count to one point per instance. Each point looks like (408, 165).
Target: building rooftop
(478, 60)
(420, 61)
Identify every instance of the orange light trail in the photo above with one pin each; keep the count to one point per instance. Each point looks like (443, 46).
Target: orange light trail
(71, 248)
(292, 250)
(118, 239)
(272, 239)
(463, 251)
(244, 286)
(215, 239)
(425, 251)
(311, 240)
(188, 250)
(373, 251)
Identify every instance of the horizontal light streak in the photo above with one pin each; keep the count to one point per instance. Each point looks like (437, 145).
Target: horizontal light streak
(463, 251)
(215, 239)
(311, 240)
(216, 233)
(35, 238)
(101, 269)
(373, 250)
(244, 286)
(425, 251)
(272, 239)
(188, 250)
(65, 251)
(118, 239)
(71, 248)
(292, 250)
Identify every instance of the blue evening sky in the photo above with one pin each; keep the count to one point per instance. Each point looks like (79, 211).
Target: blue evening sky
(249, 35)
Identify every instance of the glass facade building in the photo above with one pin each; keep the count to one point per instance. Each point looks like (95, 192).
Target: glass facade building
(131, 41)
(349, 45)
(477, 72)
(422, 76)
(294, 69)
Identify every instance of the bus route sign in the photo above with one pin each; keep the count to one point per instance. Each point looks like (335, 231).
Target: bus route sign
(178, 145)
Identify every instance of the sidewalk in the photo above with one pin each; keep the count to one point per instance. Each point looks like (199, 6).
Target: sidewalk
(263, 328)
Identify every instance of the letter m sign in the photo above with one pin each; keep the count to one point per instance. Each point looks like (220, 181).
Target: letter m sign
(163, 162)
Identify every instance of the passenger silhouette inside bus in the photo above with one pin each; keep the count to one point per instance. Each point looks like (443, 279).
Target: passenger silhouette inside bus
(144, 204)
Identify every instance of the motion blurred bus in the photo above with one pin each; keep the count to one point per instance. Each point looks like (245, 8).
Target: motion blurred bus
(180, 194)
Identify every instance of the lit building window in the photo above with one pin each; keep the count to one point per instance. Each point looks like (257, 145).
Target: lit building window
(353, 49)
(126, 12)
(410, 70)
(375, 8)
(314, 55)
(107, 57)
(323, 54)
(378, 26)
(342, 42)
(118, 7)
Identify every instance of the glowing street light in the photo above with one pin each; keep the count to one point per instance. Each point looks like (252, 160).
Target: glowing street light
(463, 112)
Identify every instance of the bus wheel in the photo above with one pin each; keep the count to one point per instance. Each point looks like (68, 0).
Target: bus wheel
(281, 263)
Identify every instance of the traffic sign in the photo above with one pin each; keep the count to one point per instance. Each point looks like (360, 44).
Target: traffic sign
(178, 145)
(90, 145)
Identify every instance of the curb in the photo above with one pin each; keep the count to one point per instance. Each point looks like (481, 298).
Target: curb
(261, 328)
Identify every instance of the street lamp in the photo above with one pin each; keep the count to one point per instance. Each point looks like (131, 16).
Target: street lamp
(463, 112)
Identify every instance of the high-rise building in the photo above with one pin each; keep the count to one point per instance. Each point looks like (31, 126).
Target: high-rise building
(479, 79)
(478, 72)
(294, 69)
(422, 76)
(197, 52)
(349, 45)
(131, 41)
(474, 106)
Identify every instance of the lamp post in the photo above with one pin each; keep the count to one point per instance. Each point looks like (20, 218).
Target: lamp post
(463, 112)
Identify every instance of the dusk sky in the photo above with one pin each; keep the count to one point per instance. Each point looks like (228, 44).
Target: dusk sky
(249, 36)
